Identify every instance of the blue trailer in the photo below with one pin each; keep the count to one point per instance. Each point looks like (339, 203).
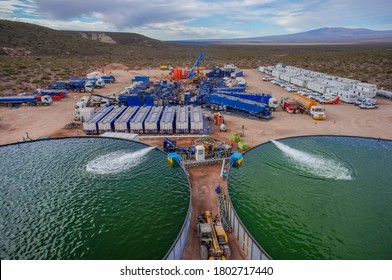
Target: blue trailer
(231, 89)
(77, 84)
(167, 120)
(130, 100)
(122, 123)
(91, 125)
(59, 85)
(144, 79)
(136, 125)
(18, 100)
(108, 79)
(106, 124)
(262, 98)
(151, 124)
(250, 107)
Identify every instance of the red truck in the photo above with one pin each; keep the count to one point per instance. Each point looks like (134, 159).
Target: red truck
(289, 105)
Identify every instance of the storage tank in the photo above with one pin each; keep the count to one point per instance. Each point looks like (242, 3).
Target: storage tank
(182, 121)
(91, 125)
(151, 124)
(122, 123)
(304, 102)
(384, 93)
(106, 124)
(167, 120)
(136, 125)
(76, 197)
(196, 119)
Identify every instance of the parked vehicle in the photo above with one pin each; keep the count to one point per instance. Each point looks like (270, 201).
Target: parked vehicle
(15, 101)
(365, 100)
(267, 78)
(289, 105)
(108, 79)
(310, 107)
(95, 83)
(368, 106)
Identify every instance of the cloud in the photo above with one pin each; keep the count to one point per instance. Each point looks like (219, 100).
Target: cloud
(200, 18)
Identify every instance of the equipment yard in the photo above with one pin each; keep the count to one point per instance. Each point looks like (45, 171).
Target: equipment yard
(56, 120)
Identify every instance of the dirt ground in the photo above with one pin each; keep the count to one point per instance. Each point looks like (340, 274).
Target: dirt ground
(342, 119)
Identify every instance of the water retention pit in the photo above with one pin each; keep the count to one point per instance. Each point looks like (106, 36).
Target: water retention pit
(89, 198)
(318, 197)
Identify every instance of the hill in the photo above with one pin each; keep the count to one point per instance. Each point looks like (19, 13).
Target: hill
(337, 35)
(121, 38)
(39, 40)
(329, 35)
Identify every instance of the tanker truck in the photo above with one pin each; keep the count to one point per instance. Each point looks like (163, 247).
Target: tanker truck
(310, 107)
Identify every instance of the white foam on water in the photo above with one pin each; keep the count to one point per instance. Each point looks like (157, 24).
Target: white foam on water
(314, 164)
(117, 162)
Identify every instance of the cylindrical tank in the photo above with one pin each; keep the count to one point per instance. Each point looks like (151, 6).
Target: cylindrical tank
(303, 101)
(385, 93)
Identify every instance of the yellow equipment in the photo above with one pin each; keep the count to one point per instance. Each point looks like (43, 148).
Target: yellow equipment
(212, 237)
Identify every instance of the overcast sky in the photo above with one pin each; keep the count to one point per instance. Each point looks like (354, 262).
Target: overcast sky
(200, 19)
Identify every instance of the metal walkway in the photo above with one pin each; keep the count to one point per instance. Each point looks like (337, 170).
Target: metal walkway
(200, 162)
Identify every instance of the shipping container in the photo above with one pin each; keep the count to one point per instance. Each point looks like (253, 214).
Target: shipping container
(152, 124)
(122, 123)
(167, 120)
(196, 120)
(136, 125)
(91, 125)
(106, 124)
(182, 119)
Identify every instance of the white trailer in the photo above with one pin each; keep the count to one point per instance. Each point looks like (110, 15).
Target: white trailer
(196, 120)
(167, 120)
(136, 125)
(106, 124)
(300, 81)
(348, 96)
(317, 86)
(122, 123)
(182, 121)
(151, 124)
(286, 77)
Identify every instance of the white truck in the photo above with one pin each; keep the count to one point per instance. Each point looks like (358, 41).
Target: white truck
(273, 104)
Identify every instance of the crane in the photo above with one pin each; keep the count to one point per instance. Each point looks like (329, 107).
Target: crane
(192, 71)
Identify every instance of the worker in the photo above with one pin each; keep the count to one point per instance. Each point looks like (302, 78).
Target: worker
(243, 130)
(218, 189)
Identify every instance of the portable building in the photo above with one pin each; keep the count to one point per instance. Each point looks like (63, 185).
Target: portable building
(196, 119)
(300, 81)
(152, 124)
(136, 125)
(167, 120)
(286, 77)
(182, 119)
(91, 125)
(106, 124)
(370, 90)
(317, 86)
(348, 96)
(122, 123)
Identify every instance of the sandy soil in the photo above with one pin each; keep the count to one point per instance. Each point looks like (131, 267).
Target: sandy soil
(342, 119)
